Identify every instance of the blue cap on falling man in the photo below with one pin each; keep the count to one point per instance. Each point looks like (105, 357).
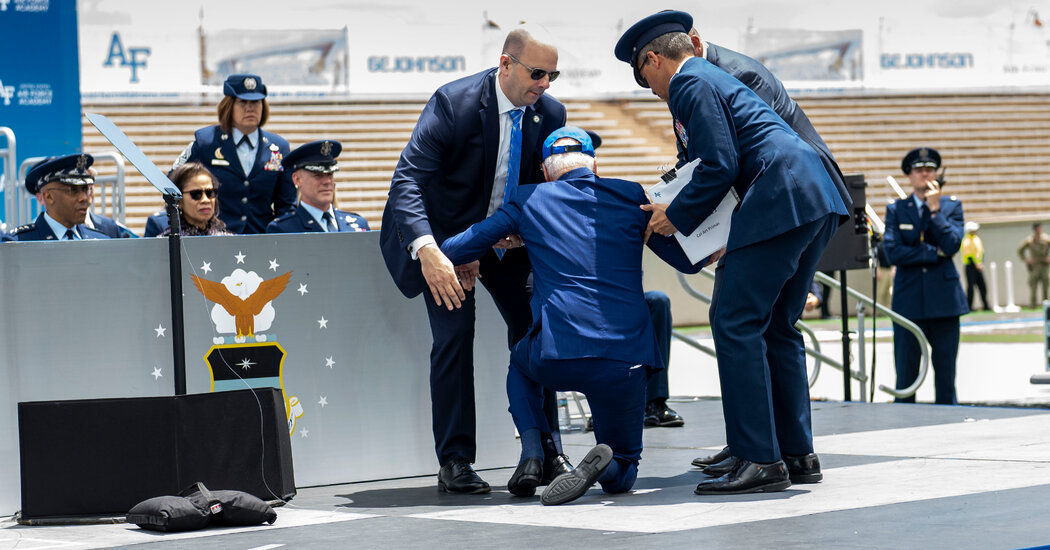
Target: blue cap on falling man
(644, 31)
(585, 146)
(70, 170)
(316, 156)
(248, 87)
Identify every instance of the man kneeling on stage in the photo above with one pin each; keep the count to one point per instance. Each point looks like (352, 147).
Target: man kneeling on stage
(590, 330)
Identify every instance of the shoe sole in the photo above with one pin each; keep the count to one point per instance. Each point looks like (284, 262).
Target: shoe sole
(674, 424)
(569, 487)
(768, 488)
(478, 491)
(806, 478)
(525, 487)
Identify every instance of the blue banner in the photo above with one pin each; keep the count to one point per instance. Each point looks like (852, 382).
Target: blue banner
(39, 79)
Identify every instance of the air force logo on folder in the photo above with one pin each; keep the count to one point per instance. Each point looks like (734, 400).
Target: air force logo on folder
(713, 233)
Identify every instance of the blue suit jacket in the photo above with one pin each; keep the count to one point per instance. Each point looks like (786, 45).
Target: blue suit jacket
(39, 230)
(300, 221)
(156, 224)
(269, 191)
(110, 227)
(443, 181)
(584, 237)
(926, 285)
(768, 87)
(744, 145)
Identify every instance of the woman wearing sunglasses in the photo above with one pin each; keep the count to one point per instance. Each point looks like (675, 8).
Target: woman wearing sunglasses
(198, 207)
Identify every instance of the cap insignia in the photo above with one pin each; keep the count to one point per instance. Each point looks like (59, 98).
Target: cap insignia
(250, 83)
(82, 163)
(326, 148)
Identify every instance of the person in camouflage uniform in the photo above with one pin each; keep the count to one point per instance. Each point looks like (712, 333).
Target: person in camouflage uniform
(1035, 252)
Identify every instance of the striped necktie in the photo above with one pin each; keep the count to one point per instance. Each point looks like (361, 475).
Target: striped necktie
(513, 162)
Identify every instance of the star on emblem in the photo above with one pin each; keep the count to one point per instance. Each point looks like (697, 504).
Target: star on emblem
(240, 257)
(245, 364)
(323, 402)
(160, 330)
(302, 289)
(304, 432)
(206, 267)
(328, 362)
(274, 265)
(322, 322)
(156, 373)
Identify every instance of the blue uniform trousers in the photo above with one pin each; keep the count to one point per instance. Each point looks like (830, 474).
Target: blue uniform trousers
(452, 354)
(943, 334)
(759, 294)
(614, 391)
(660, 313)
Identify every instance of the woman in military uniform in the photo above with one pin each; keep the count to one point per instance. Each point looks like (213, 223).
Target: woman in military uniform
(244, 158)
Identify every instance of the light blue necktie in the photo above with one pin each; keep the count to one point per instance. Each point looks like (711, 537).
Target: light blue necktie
(513, 162)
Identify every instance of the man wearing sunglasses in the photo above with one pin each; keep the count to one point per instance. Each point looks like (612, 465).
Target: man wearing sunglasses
(313, 167)
(476, 140)
(64, 186)
(789, 209)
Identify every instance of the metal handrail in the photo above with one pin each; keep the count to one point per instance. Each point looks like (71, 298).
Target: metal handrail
(23, 206)
(924, 344)
(10, 174)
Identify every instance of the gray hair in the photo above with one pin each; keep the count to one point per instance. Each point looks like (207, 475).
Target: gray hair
(672, 45)
(559, 164)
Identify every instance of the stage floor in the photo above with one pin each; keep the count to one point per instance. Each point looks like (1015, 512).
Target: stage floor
(895, 476)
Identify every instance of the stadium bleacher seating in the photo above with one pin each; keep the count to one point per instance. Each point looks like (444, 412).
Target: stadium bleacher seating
(994, 145)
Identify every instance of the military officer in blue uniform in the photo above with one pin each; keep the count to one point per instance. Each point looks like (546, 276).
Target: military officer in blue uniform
(246, 159)
(312, 167)
(789, 210)
(590, 328)
(64, 186)
(156, 223)
(109, 226)
(923, 232)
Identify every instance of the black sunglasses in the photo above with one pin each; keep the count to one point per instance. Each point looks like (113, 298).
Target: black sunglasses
(536, 74)
(196, 194)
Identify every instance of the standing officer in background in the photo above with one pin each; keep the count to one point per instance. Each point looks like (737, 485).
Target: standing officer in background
(312, 167)
(789, 210)
(1035, 253)
(972, 250)
(64, 186)
(923, 232)
(254, 188)
(477, 139)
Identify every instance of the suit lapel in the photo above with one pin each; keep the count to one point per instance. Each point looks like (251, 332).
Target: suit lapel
(229, 152)
(490, 131)
(306, 220)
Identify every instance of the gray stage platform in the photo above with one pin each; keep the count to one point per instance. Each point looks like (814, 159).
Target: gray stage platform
(896, 476)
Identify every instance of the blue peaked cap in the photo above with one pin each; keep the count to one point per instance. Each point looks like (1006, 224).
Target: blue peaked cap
(585, 146)
(644, 31)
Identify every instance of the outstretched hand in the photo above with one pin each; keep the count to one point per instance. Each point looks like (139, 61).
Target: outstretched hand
(441, 277)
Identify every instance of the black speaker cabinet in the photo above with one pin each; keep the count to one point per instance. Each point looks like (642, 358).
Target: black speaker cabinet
(848, 249)
(100, 457)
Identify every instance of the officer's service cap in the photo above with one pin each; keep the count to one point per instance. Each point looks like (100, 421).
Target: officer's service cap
(923, 156)
(70, 169)
(248, 87)
(585, 146)
(316, 156)
(644, 31)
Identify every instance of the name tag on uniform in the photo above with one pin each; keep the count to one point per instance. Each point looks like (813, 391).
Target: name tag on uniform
(220, 162)
(906, 227)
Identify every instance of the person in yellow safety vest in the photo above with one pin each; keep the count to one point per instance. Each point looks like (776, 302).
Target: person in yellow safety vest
(972, 252)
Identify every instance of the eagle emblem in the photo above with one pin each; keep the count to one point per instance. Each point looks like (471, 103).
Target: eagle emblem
(242, 308)
(326, 148)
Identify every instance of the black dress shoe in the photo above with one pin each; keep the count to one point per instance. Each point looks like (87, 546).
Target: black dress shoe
(722, 468)
(571, 486)
(803, 468)
(457, 476)
(658, 414)
(554, 467)
(706, 461)
(748, 477)
(526, 477)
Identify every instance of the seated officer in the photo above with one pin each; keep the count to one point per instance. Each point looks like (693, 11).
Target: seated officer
(312, 167)
(64, 187)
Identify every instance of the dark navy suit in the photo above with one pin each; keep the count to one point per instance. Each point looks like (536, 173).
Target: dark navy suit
(590, 328)
(789, 210)
(300, 221)
(110, 227)
(926, 289)
(442, 185)
(247, 202)
(156, 224)
(39, 230)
